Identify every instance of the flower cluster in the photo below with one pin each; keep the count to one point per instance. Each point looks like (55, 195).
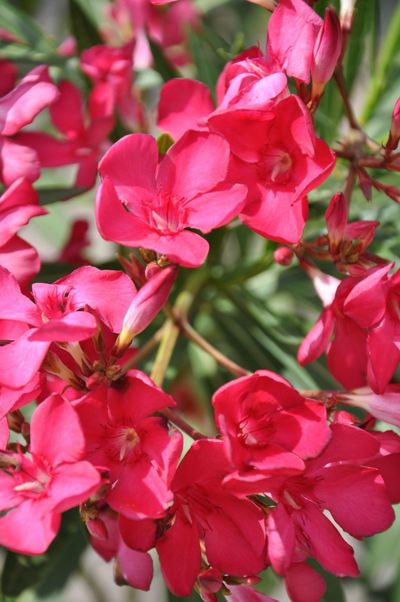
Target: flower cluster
(284, 474)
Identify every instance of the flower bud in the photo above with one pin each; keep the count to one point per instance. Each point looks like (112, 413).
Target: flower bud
(394, 134)
(327, 49)
(283, 256)
(145, 306)
(384, 407)
(336, 219)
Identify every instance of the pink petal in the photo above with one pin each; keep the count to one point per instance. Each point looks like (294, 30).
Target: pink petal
(76, 326)
(108, 292)
(72, 484)
(67, 111)
(195, 164)
(13, 304)
(347, 356)
(123, 164)
(18, 161)
(183, 103)
(366, 302)
(317, 339)
(56, 433)
(20, 360)
(304, 584)
(15, 534)
(136, 567)
(357, 499)
(281, 539)
(184, 248)
(226, 204)
(179, 553)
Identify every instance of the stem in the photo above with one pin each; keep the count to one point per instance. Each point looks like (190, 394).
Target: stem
(182, 424)
(349, 186)
(171, 328)
(219, 357)
(143, 352)
(348, 109)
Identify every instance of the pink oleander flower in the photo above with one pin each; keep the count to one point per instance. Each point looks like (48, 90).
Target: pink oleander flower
(152, 204)
(36, 489)
(84, 139)
(384, 406)
(394, 134)
(142, 20)
(111, 71)
(278, 171)
(65, 312)
(229, 530)
(245, 83)
(268, 427)
(342, 480)
(131, 566)
(348, 241)
(360, 331)
(18, 108)
(326, 53)
(18, 205)
(134, 446)
(292, 32)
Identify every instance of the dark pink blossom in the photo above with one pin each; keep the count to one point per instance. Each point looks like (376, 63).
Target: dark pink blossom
(278, 171)
(35, 490)
(18, 108)
(135, 447)
(151, 205)
(268, 427)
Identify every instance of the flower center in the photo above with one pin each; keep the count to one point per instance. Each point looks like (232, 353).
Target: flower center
(277, 165)
(169, 216)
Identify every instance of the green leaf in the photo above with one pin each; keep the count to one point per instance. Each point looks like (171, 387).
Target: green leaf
(24, 28)
(83, 26)
(209, 53)
(20, 54)
(54, 195)
(389, 48)
(161, 63)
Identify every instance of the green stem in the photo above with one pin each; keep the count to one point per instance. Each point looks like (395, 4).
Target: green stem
(171, 327)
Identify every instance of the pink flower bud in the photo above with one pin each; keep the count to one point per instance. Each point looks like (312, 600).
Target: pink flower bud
(384, 407)
(283, 256)
(146, 305)
(336, 218)
(394, 134)
(327, 49)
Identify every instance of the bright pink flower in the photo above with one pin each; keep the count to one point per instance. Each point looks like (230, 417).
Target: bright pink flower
(57, 316)
(83, 142)
(245, 83)
(244, 593)
(37, 489)
(18, 108)
(326, 53)
(143, 19)
(4, 433)
(151, 205)
(17, 206)
(135, 447)
(268, 427)
(278, 171)
(292, 33)
(384, 406)
(111, 70)
(131, 566)
(231, 529)
(304, 583)
(340, 480)
(363, 324)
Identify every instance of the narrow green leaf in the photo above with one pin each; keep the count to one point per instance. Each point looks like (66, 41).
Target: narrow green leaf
(161, 63)
(83, 26)
(389, 48)
(17, 53)
(21, 25)
(55, 195)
